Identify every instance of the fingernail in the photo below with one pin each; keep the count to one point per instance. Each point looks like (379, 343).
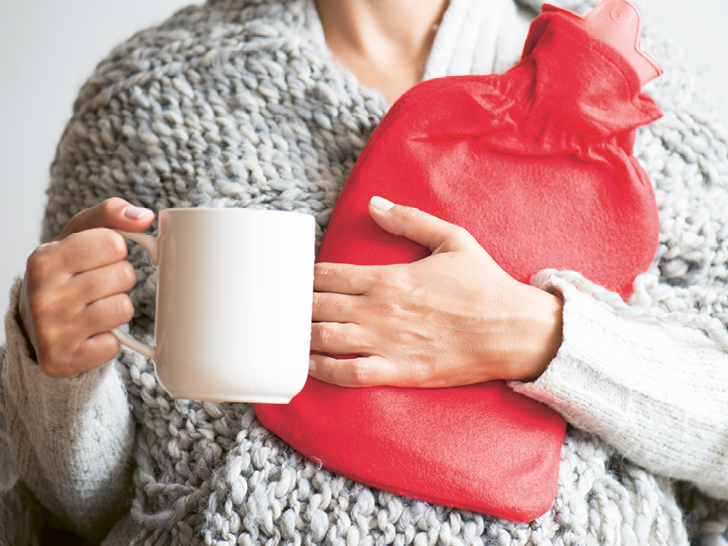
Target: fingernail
(380, 203)
(135, 213)
(311, 365)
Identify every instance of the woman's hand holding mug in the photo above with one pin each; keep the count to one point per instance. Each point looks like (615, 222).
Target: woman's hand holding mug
(74, 291)
(233, 305)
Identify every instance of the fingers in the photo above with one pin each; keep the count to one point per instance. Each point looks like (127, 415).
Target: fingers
(106, 314)
(368, 371)
(114, 213)
(102, 282)
(97, 350)
(330, 307)
(420, 227)
(90, 250)
(66, 348)
(343, 278)
(74, 289)
(92, 353)
(338, 338)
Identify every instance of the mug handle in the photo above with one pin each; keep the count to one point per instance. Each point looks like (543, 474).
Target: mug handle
(151, 245)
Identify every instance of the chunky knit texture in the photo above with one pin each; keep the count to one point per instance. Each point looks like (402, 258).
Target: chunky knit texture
(237, 103)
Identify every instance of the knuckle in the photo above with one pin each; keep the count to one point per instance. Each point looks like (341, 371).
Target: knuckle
(108, 348)
(324, 335)
(324, 273)
(108, 207)
(100, 215)
(109, 352)
(41, 263)
(326, 305)
(461, 235)
(410, 213)
(126, 276)
(40, 305)
(44, 303)
(113, 243)
(123, 309)
(360, 373)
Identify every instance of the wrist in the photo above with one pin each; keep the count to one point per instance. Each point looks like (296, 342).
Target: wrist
(541, 332)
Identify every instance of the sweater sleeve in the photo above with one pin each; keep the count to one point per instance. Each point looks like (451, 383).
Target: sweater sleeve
(654, 387)
(70, 440)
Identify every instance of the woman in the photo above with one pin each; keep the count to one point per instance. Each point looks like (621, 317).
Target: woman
(249, 104)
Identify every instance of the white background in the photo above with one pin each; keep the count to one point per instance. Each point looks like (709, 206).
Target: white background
(48, 48)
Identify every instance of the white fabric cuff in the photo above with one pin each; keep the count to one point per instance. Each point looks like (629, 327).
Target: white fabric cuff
(656, 390)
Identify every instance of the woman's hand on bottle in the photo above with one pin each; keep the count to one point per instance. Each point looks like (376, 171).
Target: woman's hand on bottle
(453, 318)
(74, 291)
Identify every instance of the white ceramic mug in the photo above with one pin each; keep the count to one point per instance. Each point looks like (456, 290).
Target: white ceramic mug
(234, 296)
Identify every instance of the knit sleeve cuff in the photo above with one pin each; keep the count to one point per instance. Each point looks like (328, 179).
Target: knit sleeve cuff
(580, 371)
(15, 336)
(70, 440)
(655, 390)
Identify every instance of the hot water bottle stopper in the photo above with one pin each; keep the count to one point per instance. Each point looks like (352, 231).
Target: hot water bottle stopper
(537, 165)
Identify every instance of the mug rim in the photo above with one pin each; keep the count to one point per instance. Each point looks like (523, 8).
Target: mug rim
(189, 210)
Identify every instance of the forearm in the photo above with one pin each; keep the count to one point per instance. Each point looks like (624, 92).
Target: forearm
(69, 439)
(656, 389)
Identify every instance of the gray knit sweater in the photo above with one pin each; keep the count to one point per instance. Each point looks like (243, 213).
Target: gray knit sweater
(237, 103)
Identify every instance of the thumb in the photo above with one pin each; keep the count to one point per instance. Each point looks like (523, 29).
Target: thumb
(420, 227)
(113, 213)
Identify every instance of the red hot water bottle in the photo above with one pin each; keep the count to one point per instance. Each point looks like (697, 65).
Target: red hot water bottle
(536, 164)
